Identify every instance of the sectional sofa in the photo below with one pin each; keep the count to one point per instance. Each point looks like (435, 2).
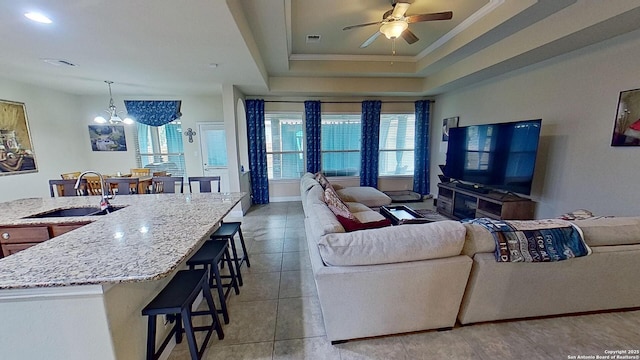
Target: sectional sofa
(429, 276)
(607, 279)
(386, 280)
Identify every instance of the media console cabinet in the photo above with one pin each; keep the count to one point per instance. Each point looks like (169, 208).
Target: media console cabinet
(459, 203)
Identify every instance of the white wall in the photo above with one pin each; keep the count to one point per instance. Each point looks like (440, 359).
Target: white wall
(57, 136)
(576, 96)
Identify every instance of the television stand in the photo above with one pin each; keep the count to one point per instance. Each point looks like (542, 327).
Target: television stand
(474, 187)
(457, 202)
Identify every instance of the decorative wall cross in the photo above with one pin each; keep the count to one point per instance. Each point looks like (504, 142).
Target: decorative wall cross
(190, 133)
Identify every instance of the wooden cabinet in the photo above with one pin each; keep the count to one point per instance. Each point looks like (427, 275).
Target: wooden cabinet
(460, 203)
(18, 238)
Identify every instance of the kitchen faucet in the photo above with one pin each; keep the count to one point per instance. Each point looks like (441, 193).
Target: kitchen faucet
(104, 202)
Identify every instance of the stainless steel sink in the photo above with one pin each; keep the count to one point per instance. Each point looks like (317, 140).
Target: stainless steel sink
(77, 211)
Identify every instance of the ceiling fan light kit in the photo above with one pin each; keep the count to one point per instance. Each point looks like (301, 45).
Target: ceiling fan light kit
(395, 24)
(393, 29)
(114, 118)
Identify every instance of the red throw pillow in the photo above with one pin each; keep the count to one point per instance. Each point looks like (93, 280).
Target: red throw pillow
(353, 225)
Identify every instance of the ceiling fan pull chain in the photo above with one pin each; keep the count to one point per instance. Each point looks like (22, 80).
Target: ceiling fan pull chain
(393, 48)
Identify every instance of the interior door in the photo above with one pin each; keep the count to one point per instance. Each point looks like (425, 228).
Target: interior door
(213, 144)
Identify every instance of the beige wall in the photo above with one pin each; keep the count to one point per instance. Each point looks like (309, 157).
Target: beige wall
(60, 136)
(57, 135)
(576, 96)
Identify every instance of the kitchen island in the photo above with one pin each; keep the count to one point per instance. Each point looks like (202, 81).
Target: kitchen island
(79, 295)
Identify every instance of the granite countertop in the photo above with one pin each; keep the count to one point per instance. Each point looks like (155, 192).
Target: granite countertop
(146, 240)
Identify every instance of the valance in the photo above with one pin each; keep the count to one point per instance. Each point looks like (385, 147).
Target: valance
(153, 112)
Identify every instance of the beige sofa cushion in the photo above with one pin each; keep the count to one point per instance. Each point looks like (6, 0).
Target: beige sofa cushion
(323, 220)
(365, 195)
(307, 181)
(315, 195)
(368, 216)
(609, 231)
(477, 240)
(393, 244)
(355, 207)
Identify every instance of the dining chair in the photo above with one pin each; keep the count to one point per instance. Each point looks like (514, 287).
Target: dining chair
(93, 186)
(140, 172)
(65, 187)
(159, 173)
(71, 175)
(123, 186)
(166, 184)
(205, 182)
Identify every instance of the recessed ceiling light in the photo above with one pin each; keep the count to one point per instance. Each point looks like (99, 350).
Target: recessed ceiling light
(213, 65)
(38, 17)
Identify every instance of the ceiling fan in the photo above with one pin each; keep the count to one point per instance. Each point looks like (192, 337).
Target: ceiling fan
(394, 23)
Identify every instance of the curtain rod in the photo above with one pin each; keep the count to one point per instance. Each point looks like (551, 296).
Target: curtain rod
(344, 102)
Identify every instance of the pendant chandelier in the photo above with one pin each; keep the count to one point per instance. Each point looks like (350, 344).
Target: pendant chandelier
(114, 118)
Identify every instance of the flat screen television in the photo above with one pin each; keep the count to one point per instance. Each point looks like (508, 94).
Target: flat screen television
(496, 156)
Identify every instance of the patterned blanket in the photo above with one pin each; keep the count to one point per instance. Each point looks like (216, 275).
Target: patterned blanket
(535, 240)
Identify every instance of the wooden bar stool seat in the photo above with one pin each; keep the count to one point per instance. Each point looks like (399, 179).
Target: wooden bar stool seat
(227, 232)
(176, 300)
(210, 255)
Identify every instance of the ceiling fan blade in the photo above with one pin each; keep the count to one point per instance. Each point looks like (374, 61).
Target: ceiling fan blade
(409, 37)
(361, 25)
(399, 9)
(447, 15)
(370, 40)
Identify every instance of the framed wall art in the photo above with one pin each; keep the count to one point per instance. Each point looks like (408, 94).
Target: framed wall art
(16, 148)
(626, 129)
(447, 124)
(107, 138)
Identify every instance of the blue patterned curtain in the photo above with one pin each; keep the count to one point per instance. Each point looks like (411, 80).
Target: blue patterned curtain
(370, 143)
(421, 166)
(153, 113)
(257, 151)
(312, 115)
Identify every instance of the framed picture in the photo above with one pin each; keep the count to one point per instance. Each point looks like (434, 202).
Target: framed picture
(16, 148)
(107, 138)
(447, 124)
(626, 130)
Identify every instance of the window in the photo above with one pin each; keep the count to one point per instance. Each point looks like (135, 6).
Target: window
(285, 144)
(160, 148)
(397, 143)
(340, 137)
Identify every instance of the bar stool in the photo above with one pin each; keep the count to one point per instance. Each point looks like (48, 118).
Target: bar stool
(227, 232)
(204, 182)
(175, 300)
(211, 254)
(166, 184)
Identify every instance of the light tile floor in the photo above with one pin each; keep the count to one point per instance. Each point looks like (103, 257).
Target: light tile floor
(277, 314)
